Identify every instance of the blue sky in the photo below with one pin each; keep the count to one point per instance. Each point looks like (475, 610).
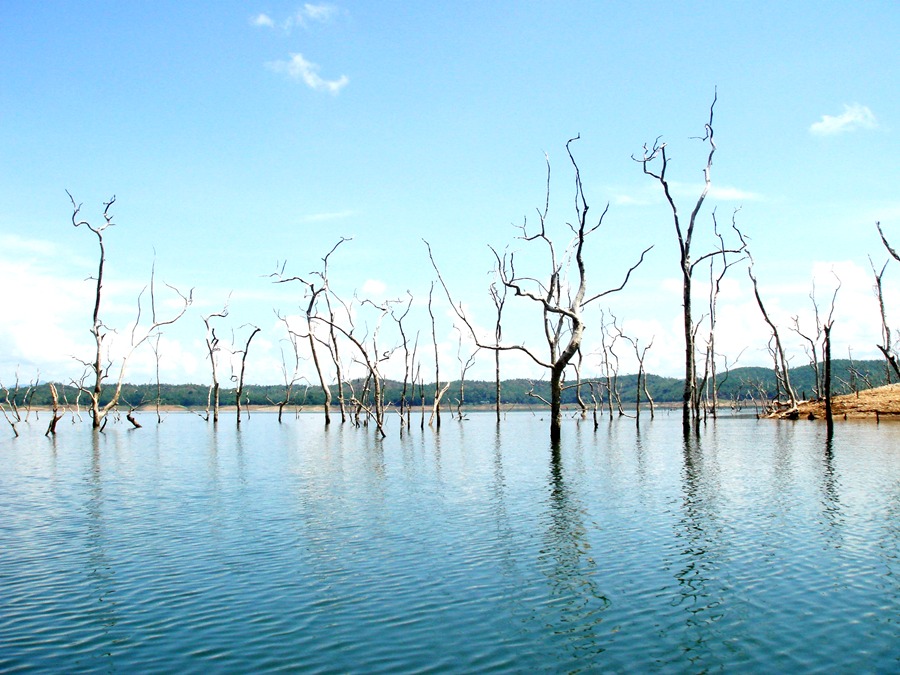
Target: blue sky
(239, 135)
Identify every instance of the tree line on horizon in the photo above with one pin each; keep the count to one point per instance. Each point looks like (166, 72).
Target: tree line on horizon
(743, 387)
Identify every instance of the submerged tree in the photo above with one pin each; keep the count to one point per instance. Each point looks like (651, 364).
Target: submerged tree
(562, 297)
(98, 369)
(782, 371)
(315, 290)
(238, 377)
(655, 163)
(886, 348)
(212, 348)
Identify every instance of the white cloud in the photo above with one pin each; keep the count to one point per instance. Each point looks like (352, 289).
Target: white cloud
(311, 12)
(725, 193)
(732, 194)
(374, 287)
(854, 117)
(262, 20)
(651, 194)
(322, 217)
(299, 68)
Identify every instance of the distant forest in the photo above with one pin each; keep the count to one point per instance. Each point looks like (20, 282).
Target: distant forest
(740, 384)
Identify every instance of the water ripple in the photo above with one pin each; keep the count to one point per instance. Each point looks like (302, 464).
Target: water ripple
(291, 548)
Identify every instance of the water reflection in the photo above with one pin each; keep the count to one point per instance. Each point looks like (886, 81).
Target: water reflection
(295, 548)
(831, 503)
(566, 561)
(100, 575)
(698, 532)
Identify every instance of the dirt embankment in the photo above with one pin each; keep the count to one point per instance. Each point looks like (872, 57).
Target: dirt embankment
(867, 404)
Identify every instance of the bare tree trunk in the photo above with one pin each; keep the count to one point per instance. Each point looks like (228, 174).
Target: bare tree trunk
(499, 298)
(212, 348)
(54, 420)
(99, 330)
(239, 389)
(779, 350)
(829, 417)
(438, 392)
(407, 364)
(690, 395)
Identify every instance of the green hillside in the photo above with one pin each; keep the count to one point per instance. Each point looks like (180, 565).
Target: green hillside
(738, 384)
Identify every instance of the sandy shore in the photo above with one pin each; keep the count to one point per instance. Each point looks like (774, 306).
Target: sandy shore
(881, 402)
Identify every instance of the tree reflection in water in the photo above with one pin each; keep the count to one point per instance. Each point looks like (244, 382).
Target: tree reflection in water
(566, 560)
(699, 549)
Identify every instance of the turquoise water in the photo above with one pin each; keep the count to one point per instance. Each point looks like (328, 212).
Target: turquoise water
(182, 548)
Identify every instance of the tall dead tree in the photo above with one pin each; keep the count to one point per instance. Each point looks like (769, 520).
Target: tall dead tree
(641, 384)
(313, 291)
(238, 377)
(463, 369)
(716, 276)
(562, 298)
(886, 348)
(816, 343)
(438, 390)
(408, 361)
(372, 355)
(498, 297)
(655, 156)
(892, 367)
(99, 368)
(782, 372)
(212, 348)
(291, 375)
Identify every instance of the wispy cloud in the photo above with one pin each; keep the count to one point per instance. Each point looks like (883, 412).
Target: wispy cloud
(323, 217)
(651, 194)
(298, 68)
(854, 117)
(321, 13)
(728, 193)
(306, 15)
(725, 193)
(262, 20)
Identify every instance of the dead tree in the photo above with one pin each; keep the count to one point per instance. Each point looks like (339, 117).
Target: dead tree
(610, 331)
(498, 297)
(56, 416)
(685, 234)
(464, 367)
(640, 353)
(886, 349)
(782, 373)
(371, 355)
(826, 349)
(291, 377)
(238, 378)
(408, 360)
(562, 298)
(710, 374)
(815, 343)
(313, 291)
(829, 415)
(7, 407)
(154, 340)
(582, 406)
(213, 349)
(98, 369)
(438, 390)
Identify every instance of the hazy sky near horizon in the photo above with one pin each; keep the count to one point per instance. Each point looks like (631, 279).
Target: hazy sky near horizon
(238, 137)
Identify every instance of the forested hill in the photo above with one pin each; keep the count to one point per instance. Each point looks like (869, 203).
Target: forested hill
(738, 384)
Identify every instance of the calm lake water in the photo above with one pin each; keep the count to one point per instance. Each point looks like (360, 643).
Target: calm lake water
(183, 548)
